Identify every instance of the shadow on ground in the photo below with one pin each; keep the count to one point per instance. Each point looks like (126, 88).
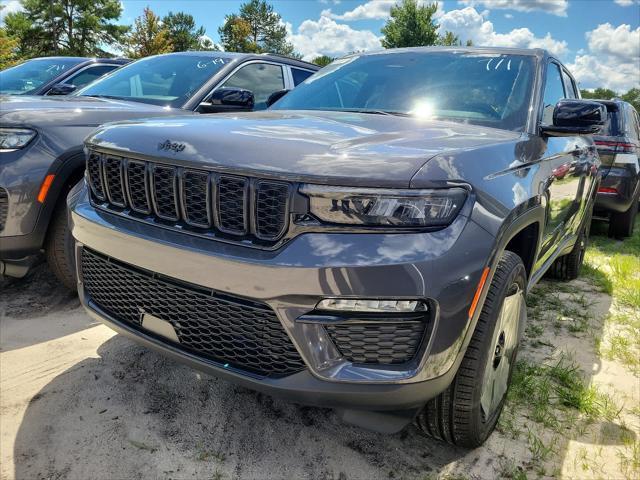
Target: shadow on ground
(132, 413)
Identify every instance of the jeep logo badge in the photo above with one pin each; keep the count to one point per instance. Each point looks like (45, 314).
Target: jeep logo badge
(168, 145)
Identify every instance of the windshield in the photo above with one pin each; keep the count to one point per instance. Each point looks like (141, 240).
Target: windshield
(478, 88)
(162, 80)
(23, 79)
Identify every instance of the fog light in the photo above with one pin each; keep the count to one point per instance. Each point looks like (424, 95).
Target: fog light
(363, 305)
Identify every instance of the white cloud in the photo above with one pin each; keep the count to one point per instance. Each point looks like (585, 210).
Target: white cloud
(621, 41)
(10, 7)
(468, 24)
(625, 3)
(508, 15)
(592, 72)
(612, 60)
(555, 7)
(374, 10)
(327, 37)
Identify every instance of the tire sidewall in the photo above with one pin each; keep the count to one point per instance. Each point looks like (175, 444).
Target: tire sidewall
(517, 275)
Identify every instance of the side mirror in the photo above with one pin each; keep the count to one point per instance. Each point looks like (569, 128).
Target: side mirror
(62, 89)
(275, 96)
(576, 117)
(228, 99)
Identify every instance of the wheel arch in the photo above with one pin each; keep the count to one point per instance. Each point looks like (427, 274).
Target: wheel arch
(68, 169)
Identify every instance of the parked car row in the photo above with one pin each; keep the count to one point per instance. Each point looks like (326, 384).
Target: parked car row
(364, 243)
(41, 138)
(55, 75)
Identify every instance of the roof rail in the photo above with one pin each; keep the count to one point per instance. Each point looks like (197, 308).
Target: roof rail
(288, 57)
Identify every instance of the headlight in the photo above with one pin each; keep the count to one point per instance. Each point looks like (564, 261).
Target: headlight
(384, 207)
(14, 138)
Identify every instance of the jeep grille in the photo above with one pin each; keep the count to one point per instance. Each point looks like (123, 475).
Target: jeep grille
(231, 206)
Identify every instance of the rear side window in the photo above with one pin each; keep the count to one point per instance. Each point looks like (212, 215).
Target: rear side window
(631, 126)
(569, 87)
(89, 75)
(553, 93)
(262, 79)
(300, 76)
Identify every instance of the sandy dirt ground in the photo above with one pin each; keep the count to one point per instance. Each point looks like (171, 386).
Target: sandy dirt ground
(79, 402)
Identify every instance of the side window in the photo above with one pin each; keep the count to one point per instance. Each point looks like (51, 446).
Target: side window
(569, 88)
(262, 79)
(299, 75)
(553, 92)
(631, 120)
(87, 76)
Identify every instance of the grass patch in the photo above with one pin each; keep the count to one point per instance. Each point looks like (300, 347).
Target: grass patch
(550, 392)
(630, 460)
(614, 266)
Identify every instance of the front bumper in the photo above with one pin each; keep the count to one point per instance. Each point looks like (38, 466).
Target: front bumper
(441, 267)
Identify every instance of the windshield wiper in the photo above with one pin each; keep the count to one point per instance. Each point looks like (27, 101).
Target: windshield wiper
(375, 112)
(111, 97)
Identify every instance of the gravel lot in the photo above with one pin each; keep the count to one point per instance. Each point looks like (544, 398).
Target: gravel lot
(79, 402)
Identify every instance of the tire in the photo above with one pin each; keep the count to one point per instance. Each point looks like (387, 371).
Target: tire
(567, 267)
(59, 245)
(457, 415)
(621, 225)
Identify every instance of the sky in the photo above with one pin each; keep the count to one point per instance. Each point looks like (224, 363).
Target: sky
(599, 40)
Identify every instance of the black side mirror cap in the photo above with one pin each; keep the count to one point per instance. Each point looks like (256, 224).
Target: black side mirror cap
(62, 89)
(275, 96)
(576, 117)
(228, 99)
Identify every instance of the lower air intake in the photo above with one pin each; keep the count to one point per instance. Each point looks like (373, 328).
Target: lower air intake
(231, 331)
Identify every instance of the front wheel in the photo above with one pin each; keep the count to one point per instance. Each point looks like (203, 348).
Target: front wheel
(59, 247)
(466, 413)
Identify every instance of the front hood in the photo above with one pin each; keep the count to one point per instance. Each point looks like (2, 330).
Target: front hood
(326, 147)
(42, 111)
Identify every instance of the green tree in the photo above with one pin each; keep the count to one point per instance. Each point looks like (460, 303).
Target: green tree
(8, 48)
(234, 35)
(149, 36)
(68, 27)
(30, 39)
(207, 44)
(411, 24)
(183, 33)
(632, 96)
(449, 39)
(323, 60)
(602, 93)
(256, 28)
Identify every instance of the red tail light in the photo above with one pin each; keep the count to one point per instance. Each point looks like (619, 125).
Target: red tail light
(618, 147)
(607, 190)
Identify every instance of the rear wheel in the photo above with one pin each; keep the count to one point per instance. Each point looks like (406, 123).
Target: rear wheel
(621, 225)
(567, 267)
(467, 411)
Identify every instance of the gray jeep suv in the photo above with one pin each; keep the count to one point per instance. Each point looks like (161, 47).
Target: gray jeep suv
(41, 138)
(365, 244)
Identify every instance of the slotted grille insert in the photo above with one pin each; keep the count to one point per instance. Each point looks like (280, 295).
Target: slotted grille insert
(228, 206)
(245, 335)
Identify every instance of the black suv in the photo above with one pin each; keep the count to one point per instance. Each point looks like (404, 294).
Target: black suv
(365, 244)
(619, 148)
(41, 155)
(55, 75)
